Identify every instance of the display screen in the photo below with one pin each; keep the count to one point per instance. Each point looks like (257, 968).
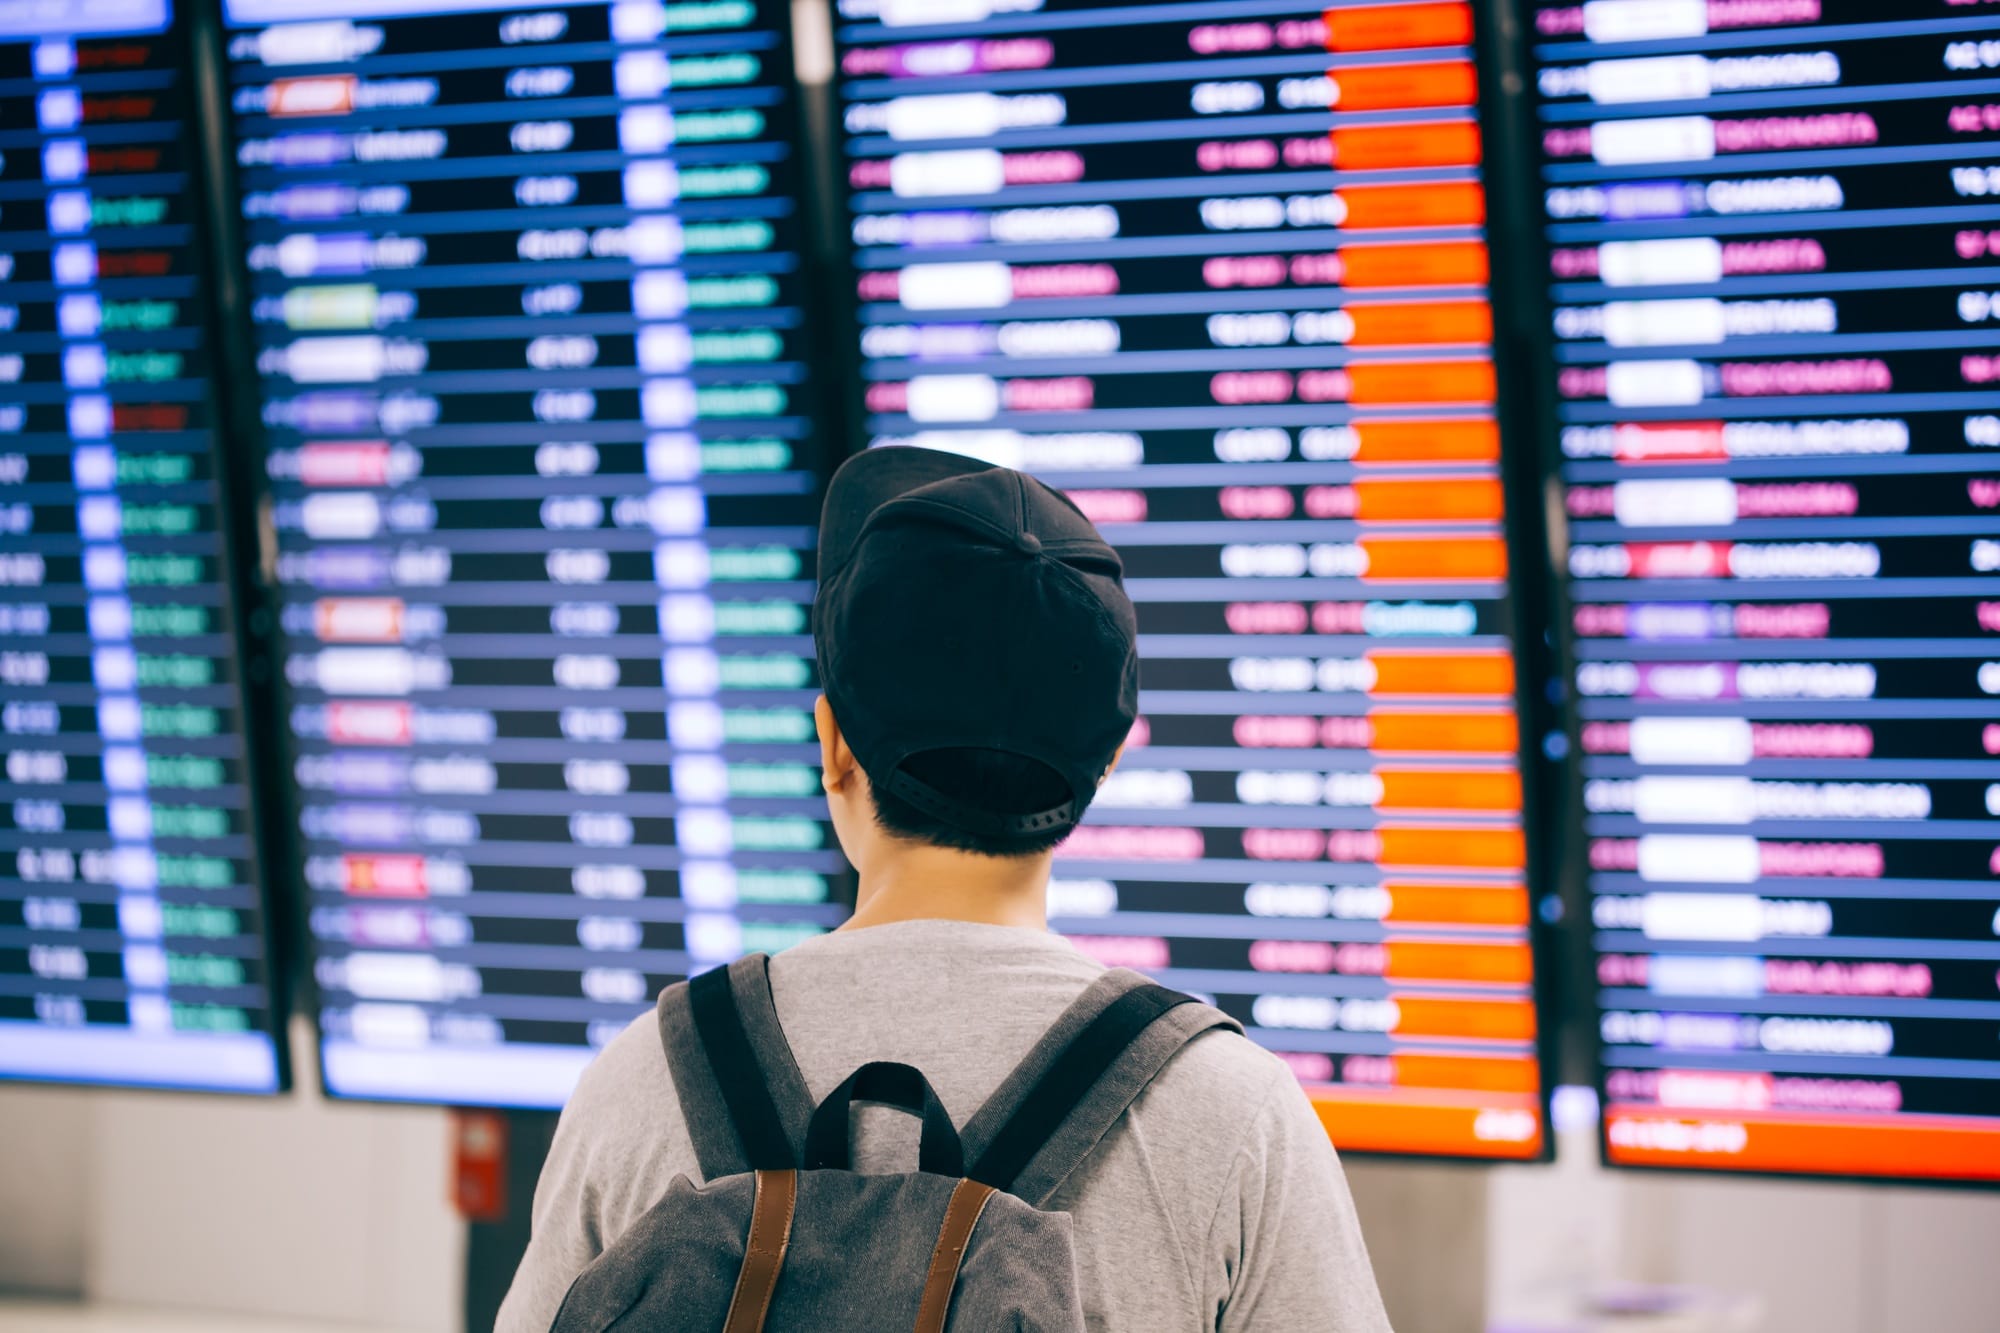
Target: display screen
(131, 925)
(1771, 230)
(1218, 272)
(527, 301)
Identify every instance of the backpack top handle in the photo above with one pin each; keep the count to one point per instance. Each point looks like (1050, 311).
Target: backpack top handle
(938, 1153)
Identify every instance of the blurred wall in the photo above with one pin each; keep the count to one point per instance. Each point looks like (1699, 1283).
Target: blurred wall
(1814, 1257)
(45, 1185)
(293, 1207)
(305, 1209)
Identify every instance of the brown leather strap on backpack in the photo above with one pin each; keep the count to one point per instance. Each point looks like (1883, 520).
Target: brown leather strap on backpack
(777, 1196)
(961, 1215)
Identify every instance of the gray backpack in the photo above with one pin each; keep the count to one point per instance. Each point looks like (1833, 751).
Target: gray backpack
(786, 1235)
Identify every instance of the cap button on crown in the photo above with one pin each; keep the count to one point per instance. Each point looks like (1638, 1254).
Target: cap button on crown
(1028, 544)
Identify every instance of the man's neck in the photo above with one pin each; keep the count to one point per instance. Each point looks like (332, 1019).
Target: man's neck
(918, 883)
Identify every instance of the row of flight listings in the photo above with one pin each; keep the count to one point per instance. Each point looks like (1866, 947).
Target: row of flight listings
(540, 446)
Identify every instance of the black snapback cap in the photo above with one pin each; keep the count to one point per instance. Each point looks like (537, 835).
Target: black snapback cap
(963, 605)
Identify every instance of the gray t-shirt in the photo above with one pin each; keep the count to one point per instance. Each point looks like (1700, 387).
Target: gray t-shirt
(1216, 1204)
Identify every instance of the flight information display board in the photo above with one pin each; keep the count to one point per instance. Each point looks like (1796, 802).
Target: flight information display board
(1772, 228)
(526, 295)
(1217, 270)
(131, 923)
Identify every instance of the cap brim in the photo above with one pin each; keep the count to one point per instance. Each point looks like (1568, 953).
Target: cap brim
(871, 479)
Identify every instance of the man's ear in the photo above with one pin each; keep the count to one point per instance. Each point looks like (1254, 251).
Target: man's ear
(836, 761)
(1111, 767)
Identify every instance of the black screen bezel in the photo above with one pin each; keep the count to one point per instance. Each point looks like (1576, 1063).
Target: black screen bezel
(1582, 1049)
(1521, 527)
(236, 541)
(247, 401)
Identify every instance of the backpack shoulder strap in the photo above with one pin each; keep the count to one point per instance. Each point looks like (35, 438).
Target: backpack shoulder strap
(742, 1096)
(1083, 1074)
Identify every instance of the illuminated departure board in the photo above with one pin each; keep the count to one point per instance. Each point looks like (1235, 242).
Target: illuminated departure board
(526, 292)
(131, 926)
(1218, 271)
(1772, 226)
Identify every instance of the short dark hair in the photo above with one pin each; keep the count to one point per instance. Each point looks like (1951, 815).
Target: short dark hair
(995, 780)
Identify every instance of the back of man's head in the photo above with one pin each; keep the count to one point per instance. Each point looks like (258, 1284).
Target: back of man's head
(976, 646)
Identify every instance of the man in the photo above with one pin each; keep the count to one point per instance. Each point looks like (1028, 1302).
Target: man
(979, 657)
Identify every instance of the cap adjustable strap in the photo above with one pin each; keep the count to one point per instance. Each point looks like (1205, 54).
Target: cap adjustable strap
(971, 818)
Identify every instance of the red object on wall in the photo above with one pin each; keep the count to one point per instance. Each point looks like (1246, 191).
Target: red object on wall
(479, 1165)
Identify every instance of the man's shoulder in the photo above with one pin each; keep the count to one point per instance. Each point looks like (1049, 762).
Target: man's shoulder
(1225, 1109)
(1223, 1087)
(1216, 1115)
